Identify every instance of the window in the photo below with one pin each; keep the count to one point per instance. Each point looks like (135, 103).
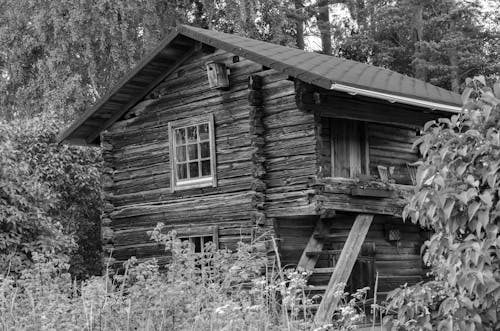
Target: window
(198, 242)
(192, 153)
(349, 148)
(199, 235)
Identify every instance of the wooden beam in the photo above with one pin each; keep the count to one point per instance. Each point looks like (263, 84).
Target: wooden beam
(196, 47)
(343, 269)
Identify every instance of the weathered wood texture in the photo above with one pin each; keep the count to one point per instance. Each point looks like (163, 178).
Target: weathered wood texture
(397, 262)
(137, 162)
(343, 268)
(389, 146)
(343, 105)
(337, 194)
(290, 149)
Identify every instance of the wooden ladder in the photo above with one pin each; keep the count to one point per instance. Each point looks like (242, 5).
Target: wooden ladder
(343, 266)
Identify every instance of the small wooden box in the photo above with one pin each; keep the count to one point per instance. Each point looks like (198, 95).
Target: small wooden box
(217, 75)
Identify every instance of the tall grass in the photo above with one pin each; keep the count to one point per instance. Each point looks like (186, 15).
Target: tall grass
(216, 290)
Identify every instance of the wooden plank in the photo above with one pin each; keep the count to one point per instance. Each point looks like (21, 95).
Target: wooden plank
(343, 268)
(307, 262)
(353, 137)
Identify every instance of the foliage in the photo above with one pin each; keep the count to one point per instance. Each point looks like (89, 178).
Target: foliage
(51, 194)
(25, 203)
(217, 290)
(458, 198)
(63, 55)
(442, 42)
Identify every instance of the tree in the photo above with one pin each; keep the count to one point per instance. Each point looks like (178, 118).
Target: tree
(458, 186)
(437, 41)
(63, 55)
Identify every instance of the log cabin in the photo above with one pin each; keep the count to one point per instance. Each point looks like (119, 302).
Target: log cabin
(225, 138)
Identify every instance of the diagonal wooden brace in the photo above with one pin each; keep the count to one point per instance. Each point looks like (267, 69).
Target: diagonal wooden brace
(343, 269)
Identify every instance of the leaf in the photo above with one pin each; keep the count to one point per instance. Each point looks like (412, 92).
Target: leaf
(480, 79)
(496, 89)
(483, 217)
(461, 168)
(448, 208)
(421, 175)
(487, 198)
(473, 208)
(462, 197)
(489, 98)
(428, 125)
(466, 95)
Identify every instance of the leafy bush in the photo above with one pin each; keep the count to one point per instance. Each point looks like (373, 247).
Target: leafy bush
(25, 203)
(458, 198)
(216, 290)
(49, 194)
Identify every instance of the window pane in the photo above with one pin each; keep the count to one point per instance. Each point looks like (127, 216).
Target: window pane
(205, 149)
(205, 168)
(182, 171)
(203, 131)
(180, 136)
(180, 152)
(193, 169)
(193, 151)
(192, 134)
(197, 244)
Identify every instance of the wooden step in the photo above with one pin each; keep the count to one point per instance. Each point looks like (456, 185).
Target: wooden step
(321, 236)
(325, 252)
(315, 287)
(323, 270)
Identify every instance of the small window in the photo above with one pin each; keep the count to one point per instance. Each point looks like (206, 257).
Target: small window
(198, 243)
(200, 236)
(349, 144)
(192, 153)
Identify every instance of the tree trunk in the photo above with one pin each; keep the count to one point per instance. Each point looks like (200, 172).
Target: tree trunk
(420, 69)
(323, 18)
(299, 38)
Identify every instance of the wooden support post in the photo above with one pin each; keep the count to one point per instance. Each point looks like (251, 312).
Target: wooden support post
(343, 268)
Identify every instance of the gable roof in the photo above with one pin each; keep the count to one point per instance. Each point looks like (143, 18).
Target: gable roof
(325, 71)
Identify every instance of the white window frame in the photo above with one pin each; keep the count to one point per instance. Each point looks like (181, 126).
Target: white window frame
(206, 181)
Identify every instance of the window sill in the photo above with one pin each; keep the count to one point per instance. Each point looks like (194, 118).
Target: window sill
(193, 183)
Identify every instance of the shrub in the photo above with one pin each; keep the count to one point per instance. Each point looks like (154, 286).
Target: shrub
(26, 226)
(50, 191)
(458, 198)
(217, 290)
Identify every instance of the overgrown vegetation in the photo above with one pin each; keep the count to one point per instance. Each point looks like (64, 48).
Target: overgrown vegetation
(216, 290)
(458, 198)
(49, 198)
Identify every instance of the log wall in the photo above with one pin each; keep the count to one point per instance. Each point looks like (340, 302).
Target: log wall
(290, 149)
(137, 163)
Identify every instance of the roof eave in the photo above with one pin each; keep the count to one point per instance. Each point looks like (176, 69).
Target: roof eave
(396, 98)
(66, 134)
